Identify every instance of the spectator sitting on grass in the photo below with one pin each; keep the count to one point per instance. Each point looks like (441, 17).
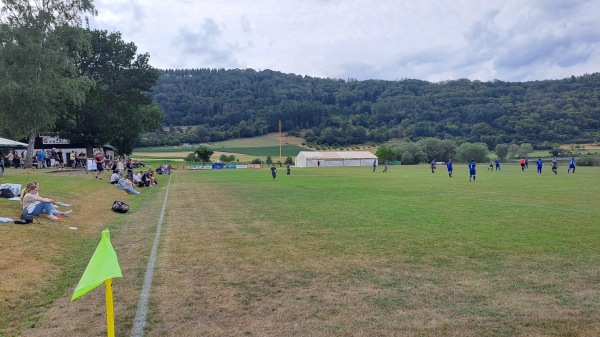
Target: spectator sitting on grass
(53, 211)
(114, 177)
(126, 185)
(137, 179)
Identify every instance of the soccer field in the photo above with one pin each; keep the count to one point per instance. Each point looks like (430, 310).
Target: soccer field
(346, 251)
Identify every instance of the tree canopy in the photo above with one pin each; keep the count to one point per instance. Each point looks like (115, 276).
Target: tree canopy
(116, 108)
(38, 40)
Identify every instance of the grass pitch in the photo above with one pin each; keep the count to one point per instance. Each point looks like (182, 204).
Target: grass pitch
(346, 251)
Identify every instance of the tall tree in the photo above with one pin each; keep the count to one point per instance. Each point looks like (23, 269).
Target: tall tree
(38, 77)
(117, 108)
(204, 153)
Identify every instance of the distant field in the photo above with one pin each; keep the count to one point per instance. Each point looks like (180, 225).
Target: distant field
(271, 139)
(273, 151)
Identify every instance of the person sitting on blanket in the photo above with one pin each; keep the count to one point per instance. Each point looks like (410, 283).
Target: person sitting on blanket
(126, 185)
(53, 211)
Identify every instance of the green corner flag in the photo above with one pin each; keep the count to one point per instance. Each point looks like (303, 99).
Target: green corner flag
(103, 265)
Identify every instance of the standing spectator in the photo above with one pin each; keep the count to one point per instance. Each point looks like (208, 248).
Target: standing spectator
(16, 160)
(60, 159)
(41, 159)
(555, 165)
(571, 165)
(53, 157)
(472, 172)
(99, 164)
(318, 163)
(129, 168)
(289, 169)
(72, 159)
(120, 168)
(47, 156)
(10, 157)
(374, 165)
(170, 168)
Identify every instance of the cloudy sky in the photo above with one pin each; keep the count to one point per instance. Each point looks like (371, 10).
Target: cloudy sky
(434, 40)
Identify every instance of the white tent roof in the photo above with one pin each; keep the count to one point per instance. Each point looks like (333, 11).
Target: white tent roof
(337, 155)
(11, 144)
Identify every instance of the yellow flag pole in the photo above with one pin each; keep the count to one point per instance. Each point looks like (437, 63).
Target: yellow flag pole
(110, 314)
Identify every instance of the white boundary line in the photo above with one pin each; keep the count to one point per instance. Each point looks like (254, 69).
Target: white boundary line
(139, 323)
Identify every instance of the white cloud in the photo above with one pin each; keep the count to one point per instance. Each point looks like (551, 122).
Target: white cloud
(432, 40)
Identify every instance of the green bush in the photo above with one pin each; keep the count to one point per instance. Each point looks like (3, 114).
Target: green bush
(256, 161)
(588, 160)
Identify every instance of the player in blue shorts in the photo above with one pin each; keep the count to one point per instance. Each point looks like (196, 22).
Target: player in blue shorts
(449, 166)
(498, 165)
(571, 165)
(472, 166)
(539, 165)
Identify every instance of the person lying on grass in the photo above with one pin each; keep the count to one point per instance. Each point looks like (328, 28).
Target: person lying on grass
(126, 185)
(53, 210)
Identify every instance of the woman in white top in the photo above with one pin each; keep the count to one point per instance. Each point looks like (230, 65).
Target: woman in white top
(33, 204)
(36, 193)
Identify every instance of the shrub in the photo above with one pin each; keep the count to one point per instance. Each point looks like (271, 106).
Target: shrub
(256, 161)
(588, 160)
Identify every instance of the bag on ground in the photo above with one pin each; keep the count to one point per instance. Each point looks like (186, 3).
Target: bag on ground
(6, 193)
(25, 219)
(120, 207)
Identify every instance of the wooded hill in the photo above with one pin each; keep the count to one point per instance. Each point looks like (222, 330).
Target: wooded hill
(246, 103)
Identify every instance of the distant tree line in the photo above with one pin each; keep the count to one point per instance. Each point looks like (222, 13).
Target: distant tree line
(428, 149)
(236, 103)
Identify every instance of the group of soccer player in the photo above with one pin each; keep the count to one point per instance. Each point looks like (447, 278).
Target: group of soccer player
(523, 161)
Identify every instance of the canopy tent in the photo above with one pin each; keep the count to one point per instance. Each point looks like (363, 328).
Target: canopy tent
(7, 143)
(335, 158)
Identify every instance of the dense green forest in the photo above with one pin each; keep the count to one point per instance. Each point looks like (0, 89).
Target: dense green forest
(245, 103)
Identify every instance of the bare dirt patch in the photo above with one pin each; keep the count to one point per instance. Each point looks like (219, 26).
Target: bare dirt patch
(582, 147)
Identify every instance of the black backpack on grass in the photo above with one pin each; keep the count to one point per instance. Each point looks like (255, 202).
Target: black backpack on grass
(120, 207)
(6, 193)
(25, 219)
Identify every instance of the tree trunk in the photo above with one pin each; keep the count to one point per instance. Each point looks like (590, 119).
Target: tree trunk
(89, 150)
(30, 149)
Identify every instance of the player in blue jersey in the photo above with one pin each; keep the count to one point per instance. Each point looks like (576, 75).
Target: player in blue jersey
(526, 163)
(449, 166)
(571, 165)
(472, 166)
(539, 163)
(498, 165)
